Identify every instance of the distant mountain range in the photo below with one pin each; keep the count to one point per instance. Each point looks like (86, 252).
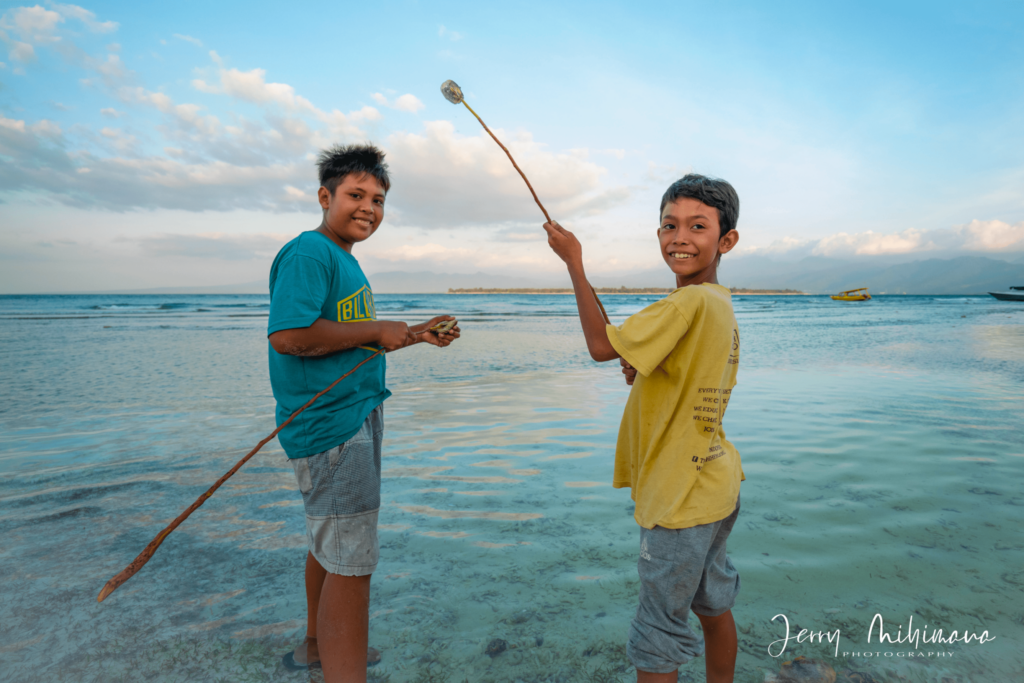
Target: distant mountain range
(814, 275)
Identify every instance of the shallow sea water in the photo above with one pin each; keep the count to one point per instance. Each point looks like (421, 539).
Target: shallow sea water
(882, 444)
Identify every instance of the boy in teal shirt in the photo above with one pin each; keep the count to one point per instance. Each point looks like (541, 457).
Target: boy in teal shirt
(323, 323)
(680, 355)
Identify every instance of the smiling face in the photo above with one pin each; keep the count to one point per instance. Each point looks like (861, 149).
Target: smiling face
(690, 241)
(354, 211)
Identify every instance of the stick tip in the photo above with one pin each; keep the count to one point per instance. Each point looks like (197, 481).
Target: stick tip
(451, 91)
(107, 590)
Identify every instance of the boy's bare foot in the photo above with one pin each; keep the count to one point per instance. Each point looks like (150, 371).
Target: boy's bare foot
(307, 656)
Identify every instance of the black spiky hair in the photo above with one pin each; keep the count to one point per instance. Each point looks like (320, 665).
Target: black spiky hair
(715, 192)
(334, 163)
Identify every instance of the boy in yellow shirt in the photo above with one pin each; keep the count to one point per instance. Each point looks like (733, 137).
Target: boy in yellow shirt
(680, 355)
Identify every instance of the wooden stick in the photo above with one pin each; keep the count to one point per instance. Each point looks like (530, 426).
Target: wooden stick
(147, 553)
(535, 198)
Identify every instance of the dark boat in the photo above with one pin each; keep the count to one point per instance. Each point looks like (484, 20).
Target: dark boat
(1016, 295)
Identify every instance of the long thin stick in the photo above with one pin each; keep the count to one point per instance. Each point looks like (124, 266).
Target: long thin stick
(535, 198)
(146, 554)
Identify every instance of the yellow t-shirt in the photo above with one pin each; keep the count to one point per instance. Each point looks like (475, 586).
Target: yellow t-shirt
(672, 451)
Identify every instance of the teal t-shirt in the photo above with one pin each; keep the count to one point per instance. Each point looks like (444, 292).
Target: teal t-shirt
(312, 278)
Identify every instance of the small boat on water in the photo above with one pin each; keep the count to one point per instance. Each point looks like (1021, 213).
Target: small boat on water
(1017, 294)
(860, 294)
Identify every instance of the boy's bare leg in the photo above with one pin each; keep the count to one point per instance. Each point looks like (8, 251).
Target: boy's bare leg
(315, 575)
(343, 618)
(719, 647)
(719, 652)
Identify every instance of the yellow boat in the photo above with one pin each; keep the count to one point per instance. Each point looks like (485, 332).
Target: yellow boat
(852, 295)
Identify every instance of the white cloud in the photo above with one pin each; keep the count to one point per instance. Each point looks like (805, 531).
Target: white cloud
(202, 86)
(252, 86)
(189, 39)
(295, 194)
(113, 69)
(442, 179)
(120, 140)
(39, 161)
(784, 245)
(992, 235)
(418, 252)
(225, 247)
(47, 129)
(12, 124)
(521, 234)
(87, 18)
(435, 257)
(187, 115)
(21, 52)
(977, 236)
(111, 113)
(32, 23)
(37, 27)
(874, 244)
(407, 102)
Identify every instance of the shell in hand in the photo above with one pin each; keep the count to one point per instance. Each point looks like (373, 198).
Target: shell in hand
(446, 326)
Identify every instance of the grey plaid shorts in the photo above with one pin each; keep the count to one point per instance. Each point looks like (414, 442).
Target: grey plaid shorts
(680, 570)
(341, 493)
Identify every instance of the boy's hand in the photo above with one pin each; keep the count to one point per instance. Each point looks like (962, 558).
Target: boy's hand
(395, 335)
(628, 370)
(565, 244)
(441, 339)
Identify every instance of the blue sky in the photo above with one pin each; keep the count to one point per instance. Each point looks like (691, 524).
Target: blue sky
(148, 145)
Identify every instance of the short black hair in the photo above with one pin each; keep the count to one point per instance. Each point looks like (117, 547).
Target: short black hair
(714, 192)
(334, 163)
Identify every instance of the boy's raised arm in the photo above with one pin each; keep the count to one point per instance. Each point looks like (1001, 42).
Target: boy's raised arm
(569, 249)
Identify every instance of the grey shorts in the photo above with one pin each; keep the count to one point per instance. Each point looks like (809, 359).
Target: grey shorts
(341, 493)
(680, 570)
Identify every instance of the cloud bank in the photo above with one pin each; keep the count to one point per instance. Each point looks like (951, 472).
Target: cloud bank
(238, 139)
(978, 236)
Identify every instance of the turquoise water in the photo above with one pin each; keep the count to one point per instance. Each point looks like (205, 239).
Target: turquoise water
(882, 444)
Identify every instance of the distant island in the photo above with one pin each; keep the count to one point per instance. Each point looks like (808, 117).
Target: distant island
(608, 290)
